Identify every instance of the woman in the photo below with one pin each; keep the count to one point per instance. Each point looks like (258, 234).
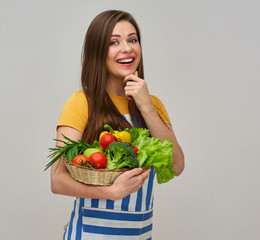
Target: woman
(115, 93)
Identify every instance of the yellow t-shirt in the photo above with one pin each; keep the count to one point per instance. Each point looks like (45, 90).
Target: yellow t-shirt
(75, 111)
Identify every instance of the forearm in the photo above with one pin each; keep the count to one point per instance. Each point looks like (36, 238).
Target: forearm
(156, 126)
(161, 130)
(63, 183)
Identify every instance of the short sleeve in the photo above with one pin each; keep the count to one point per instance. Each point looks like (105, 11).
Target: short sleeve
(160, 109)
(75, 112)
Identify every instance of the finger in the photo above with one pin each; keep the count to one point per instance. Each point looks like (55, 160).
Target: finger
(130, 98)
(136, 73)
(130, 83)
(143, 177)
(146, 173)
(128, 95)
(130, 77)
(134, 172)
(129, 88)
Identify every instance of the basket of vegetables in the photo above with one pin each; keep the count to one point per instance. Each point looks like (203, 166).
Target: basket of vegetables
(114, 153)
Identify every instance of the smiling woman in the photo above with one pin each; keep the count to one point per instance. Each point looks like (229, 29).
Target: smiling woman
(113, 92)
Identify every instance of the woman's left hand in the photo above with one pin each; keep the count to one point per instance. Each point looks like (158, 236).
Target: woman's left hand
(136, 88)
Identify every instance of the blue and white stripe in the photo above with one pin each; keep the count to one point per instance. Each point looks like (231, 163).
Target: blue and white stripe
(112, 223)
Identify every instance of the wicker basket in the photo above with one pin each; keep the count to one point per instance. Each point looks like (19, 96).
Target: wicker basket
(101, 177)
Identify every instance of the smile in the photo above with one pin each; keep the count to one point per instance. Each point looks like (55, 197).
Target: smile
(125, 61)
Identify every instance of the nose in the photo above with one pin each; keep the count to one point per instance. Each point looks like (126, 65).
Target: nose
(126, 47)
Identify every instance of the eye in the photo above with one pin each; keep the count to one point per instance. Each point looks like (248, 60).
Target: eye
(133, 40)
(114, 42)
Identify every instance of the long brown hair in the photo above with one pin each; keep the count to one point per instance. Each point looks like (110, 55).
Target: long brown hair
(101, 109)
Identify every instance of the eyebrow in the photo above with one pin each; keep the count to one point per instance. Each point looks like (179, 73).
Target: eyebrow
(117, 35)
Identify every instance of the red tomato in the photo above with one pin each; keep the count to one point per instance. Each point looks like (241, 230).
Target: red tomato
(106, 139)
(135, 149)
(98, 159)
(80, 160)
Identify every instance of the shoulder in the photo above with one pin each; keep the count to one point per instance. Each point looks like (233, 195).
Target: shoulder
(161, 110)
(155, 100)
(79, 97)
(77, 101)
(75, 112)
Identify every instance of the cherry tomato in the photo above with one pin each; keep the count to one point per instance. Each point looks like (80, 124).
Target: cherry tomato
(80, 160)
(106, 139)
(98, 160)
(135, 149)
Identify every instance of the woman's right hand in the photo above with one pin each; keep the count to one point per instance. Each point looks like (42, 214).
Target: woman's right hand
(128, 182)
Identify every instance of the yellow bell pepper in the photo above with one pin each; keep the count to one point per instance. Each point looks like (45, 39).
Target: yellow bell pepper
(124, 136)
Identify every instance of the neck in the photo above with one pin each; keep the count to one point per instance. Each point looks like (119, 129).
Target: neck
(115, 86)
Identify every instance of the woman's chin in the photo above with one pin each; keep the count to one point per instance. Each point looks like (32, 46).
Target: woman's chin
(126, 73)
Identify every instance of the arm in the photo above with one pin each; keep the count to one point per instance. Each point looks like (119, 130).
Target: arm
(137, 89)
(63, 183)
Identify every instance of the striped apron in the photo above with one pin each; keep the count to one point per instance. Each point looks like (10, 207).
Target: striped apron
(125, 219)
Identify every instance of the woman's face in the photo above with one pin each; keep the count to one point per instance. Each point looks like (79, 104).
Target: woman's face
(124, 52)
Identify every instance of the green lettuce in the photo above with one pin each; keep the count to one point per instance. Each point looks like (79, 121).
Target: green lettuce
(154, 152)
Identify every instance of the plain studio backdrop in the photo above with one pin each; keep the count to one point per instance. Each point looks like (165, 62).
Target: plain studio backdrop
(202, 58)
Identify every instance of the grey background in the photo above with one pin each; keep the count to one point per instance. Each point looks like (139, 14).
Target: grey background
(201, 58)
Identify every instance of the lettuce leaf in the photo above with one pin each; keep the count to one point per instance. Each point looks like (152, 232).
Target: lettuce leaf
(154, 152)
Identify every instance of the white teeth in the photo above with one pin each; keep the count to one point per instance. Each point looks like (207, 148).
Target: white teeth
(127, 60)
